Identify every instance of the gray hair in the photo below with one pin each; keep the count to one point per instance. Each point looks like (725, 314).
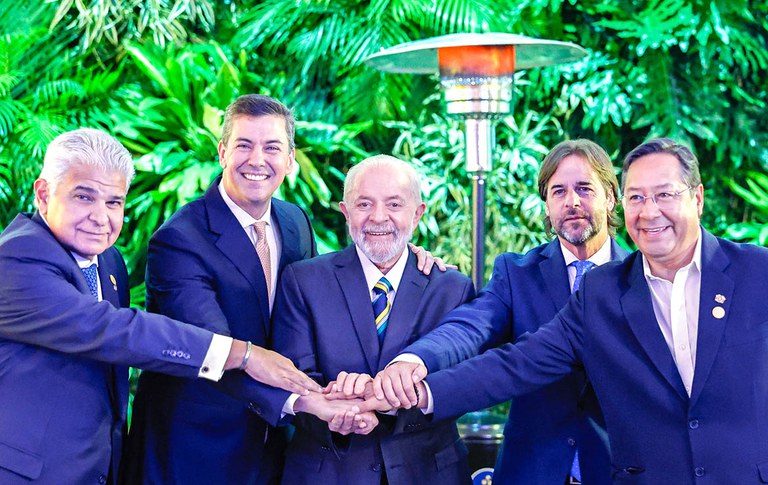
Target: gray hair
(689, 164)
(258, 105)
(353, 176)
(85, 146)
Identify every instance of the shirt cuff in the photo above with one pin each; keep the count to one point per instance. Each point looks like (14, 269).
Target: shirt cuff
(411, 358)
(213, 364)
(288, 406)
(431, 406)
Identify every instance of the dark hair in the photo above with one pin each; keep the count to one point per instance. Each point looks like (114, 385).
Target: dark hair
(599, 162)
(258, 105)
(688, 161)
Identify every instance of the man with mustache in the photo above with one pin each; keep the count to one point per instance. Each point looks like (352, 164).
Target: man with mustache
(545, 428)
(345, 315)
(673, 339)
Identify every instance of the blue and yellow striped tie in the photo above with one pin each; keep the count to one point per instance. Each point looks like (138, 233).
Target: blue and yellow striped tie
(381, 306)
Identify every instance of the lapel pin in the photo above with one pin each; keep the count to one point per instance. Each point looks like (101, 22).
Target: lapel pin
(720, 298)
(114, 282)
(718, 312)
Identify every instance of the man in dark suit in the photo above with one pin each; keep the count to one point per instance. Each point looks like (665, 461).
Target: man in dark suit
(546, 427)
(215, 264)
(673, 340)
(66, 334)
(326, 322)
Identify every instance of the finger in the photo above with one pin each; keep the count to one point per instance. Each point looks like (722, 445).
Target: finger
(340, 380)
(440, 264)
(389, 392)
(301, 382)
(419, 373)
(378, 389)
(349, 384)
(329, 388)
(360, 385)
(429, 261)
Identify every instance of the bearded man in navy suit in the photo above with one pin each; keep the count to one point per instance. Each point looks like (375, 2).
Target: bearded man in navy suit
(67, 335)
(673, 340)
(326, 322)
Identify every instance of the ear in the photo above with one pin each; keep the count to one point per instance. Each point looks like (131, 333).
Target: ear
(222, 154)
(419, 212)
(344, 210)
(698, 193)
(291, 161)
(42, 195)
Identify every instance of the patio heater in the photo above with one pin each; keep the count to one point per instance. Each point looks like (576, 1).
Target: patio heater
(476, 76)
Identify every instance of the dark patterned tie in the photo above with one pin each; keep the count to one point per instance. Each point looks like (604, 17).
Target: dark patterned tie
(581, 269)
(92, 278)
(381, 306)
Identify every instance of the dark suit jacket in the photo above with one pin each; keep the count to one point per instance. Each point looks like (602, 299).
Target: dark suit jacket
(324, 321)
(202, 268)
(546, 426)
(658, 434)
(63, 358)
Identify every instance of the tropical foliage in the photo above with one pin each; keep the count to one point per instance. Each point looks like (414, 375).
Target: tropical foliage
(158, 74)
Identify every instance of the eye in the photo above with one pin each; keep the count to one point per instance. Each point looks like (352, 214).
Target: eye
(585, 191)
(83, 197)
(115, 203)
(363, 205)
(558, 193)
(242, 147)
(665, 196)
(272, 148)
(635, 199)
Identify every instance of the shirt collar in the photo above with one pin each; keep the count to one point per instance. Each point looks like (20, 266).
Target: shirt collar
(374, 274)
(601, 256)
(244, 218)
(695, 262)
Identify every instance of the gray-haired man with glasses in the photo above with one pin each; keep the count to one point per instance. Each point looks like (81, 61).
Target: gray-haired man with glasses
(673, 340)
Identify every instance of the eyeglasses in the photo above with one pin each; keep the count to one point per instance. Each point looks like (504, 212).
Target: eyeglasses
(663, 200)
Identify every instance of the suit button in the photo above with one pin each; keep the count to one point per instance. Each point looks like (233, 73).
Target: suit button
(205, 370)
(376, 467)
(102, 479)
(325, 448)
(699, 471)
(571, 442)
(254, 408)
(693, 424)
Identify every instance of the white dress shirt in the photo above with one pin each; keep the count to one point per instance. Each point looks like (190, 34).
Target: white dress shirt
(676, 306)
(273, 237)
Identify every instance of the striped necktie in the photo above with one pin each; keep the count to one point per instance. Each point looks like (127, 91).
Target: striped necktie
(262, 250)
(381, 306)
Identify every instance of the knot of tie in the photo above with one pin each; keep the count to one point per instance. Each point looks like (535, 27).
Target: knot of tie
(581, 269)
(92, 278)
(381, 306)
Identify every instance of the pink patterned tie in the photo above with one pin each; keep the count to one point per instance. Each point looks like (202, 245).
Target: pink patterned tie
(262, 249)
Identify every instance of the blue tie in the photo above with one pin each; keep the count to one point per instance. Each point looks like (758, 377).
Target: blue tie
(92, 278)
(581, 269)
(381, 306)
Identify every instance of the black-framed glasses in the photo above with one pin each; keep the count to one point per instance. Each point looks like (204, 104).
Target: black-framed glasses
(663, 200)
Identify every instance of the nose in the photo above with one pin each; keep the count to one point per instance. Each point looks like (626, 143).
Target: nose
(379, 213)
(99, 214)
(649, 209)
(572, 199)
(256, 158)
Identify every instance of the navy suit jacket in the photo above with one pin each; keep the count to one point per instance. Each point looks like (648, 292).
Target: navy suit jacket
(658, 434)
(324, 321)
(202, 268)
(64, 358)
(546, 426)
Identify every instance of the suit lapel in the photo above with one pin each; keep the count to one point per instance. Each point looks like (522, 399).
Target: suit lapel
(638, 309)
(109, 289)
(406, 307)
(234, 245)
(351, 279)
(289, 232)
(714, 282)
(553, 272)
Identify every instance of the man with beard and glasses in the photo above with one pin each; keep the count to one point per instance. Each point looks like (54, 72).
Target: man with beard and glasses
(345, 315)
(557, 434)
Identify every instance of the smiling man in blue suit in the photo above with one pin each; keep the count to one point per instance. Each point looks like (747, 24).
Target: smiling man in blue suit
(66, 334)
(348, 313)
(545, 428)
(673, 340)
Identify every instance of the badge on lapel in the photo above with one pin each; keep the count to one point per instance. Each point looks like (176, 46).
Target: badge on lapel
(719, 312)
(114, 282)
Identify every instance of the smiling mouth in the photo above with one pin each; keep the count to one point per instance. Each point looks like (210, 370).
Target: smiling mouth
(253, 177)
(371, 233)
(654, 230)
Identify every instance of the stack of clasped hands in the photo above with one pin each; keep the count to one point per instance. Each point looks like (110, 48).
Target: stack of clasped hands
(398, 386)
